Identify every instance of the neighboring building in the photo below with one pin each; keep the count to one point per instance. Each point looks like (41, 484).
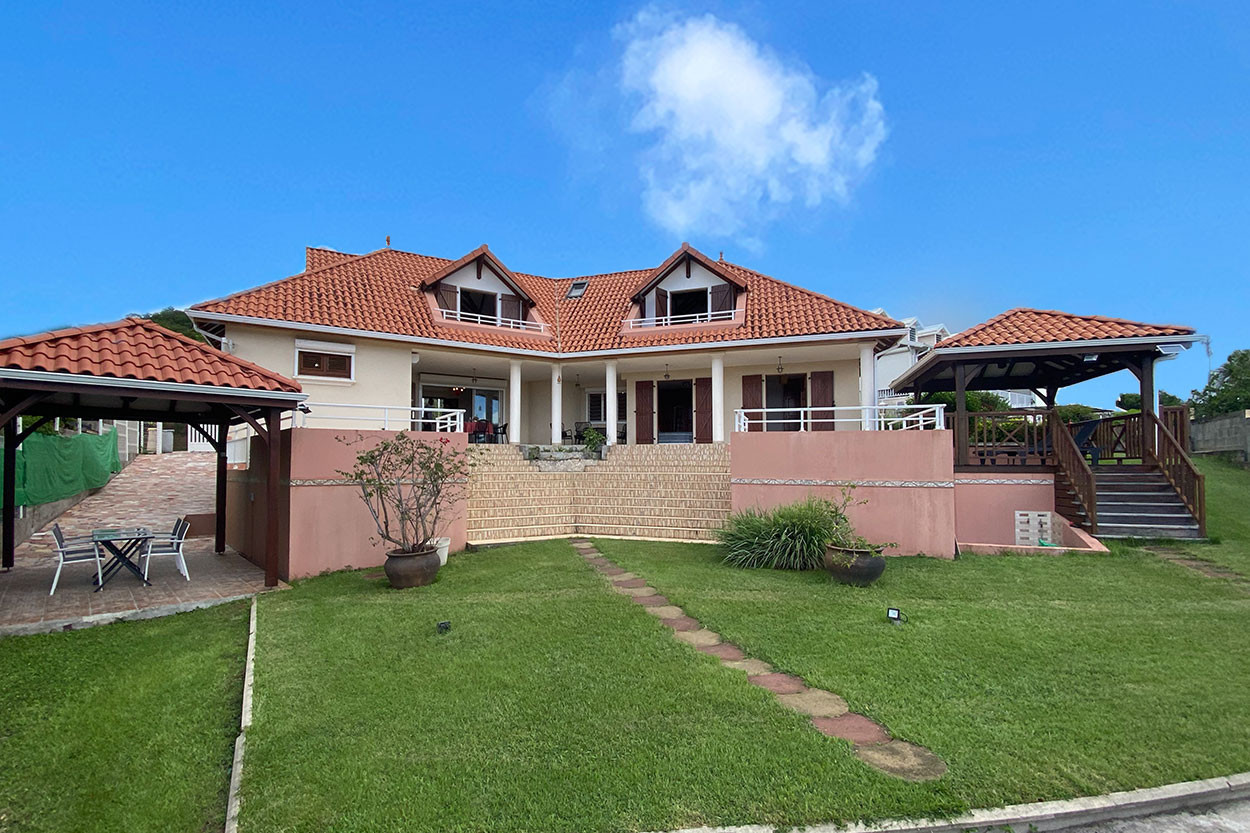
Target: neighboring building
(682, 352)
(894, 361)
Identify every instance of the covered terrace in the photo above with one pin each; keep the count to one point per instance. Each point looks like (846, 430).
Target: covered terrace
(136, 370)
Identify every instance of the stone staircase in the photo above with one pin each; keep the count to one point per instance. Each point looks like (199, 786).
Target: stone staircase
(1139, 502)
(675, 492)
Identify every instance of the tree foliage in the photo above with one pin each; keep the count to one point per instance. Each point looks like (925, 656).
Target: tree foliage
(979, 401)
(1167, 400)
(176, 320)
(1129, 402)
(1227, 390)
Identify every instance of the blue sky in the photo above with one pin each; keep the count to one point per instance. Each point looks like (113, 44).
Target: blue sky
(943, 160)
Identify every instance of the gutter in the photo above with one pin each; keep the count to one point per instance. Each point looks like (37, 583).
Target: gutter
(167, 387)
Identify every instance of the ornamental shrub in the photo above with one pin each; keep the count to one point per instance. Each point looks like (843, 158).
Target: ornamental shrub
(791, 537)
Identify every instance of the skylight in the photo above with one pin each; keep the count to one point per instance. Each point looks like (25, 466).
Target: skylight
(577, 289)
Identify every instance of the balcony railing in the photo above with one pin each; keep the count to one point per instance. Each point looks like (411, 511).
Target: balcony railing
(693, 318)
(866, 417)
(384, 417)
(493, 321)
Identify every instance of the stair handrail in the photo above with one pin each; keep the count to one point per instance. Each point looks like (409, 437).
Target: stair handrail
(1070, 459)
(1181, 472)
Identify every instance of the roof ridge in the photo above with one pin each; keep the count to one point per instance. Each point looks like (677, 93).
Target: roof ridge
(976, 328)
(63, 332)
(1108, 318)
(885, 318)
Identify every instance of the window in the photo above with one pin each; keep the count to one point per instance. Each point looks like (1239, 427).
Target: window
(596, 407)
(577, 289)
(478, 303)
(690, 302)
(331, 365)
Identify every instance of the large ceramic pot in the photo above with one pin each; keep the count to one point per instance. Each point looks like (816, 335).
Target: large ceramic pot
(857, 567)
(411, 569)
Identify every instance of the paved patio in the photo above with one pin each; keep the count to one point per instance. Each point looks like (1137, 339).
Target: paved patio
(152, 491)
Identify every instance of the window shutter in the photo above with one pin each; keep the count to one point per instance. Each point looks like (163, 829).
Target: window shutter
(753, 397)
(594, 407)
(510, 307)
(644, 413)
(822, 397)
(621, 400)
(703, 410)
(446, 297)
(661, 303)
(722, 298)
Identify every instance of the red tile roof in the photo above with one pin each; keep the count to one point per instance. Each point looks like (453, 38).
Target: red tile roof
(383, 291)
(1042, 326)
(136, 348)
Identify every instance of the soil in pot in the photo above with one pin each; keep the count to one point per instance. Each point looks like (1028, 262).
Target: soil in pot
(855, 567)
(411, 569)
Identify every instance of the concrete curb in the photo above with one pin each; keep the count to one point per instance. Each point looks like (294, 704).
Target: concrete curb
(245, 720)
(1044, 815)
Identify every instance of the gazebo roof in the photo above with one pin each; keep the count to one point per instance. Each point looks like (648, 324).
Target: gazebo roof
(1033, 349)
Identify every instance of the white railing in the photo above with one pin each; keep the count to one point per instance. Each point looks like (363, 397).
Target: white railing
(693, 318)
(874, 417)
(492, 320)
(385, 417)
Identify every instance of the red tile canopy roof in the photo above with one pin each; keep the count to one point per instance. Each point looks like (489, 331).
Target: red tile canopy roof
(385, 292)
(1039, 326)
(136, 348)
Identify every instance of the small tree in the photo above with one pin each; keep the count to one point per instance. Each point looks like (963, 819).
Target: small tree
(1129, 402)
(176, 320)
(1167, 400)
(408, 485)
(1228, 388)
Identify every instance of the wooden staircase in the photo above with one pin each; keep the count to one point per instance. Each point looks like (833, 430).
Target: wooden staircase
(1140, 502)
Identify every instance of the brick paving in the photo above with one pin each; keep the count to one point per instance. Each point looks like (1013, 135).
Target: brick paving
(827, 711)
(152, 491)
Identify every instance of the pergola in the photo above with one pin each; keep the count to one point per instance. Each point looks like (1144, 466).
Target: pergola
(137, 370)
(1042, 351)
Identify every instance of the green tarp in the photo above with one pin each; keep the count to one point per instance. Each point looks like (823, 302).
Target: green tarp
(51, 468)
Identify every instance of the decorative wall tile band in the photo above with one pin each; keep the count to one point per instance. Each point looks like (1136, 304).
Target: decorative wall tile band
(1009, 481)
(902, 484)
(335, 481)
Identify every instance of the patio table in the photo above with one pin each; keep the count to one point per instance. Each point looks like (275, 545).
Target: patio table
(122, 543)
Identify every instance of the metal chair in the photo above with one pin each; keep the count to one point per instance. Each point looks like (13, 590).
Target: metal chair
(170, 545)
(579, 432)
(74, 551)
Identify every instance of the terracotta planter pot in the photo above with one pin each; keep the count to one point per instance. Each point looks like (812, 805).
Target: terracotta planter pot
(411, 569)
(856, 567)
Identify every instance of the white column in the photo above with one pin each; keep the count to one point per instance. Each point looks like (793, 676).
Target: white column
(609, 401)
(868, 386)
(160, 430)
(718, 399)
(514, 401)
(557, 404)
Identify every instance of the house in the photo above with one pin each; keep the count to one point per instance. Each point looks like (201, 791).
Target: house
(895, 361)
(681, 352)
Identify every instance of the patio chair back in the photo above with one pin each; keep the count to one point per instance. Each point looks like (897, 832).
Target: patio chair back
(69, 552)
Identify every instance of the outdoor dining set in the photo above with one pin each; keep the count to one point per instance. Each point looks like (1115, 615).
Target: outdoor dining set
(117, 549)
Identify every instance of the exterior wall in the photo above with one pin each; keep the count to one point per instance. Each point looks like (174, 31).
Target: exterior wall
(383, 369)
(1224, 434)
(326, 526)
(467, 277)
(986, 503)
(700, 278)
(906, 477)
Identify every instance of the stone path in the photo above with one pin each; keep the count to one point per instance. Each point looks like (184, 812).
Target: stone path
(1206, 568)
(828, 712)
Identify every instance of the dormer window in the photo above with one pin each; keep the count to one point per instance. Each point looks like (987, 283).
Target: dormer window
(688, 288)
(479, 290)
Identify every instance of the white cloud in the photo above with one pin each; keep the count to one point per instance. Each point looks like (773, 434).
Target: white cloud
(736, 135)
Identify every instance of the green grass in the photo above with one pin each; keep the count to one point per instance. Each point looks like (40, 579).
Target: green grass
(1033, 677)
(125, 727)
(1228, 521)
(553, 704)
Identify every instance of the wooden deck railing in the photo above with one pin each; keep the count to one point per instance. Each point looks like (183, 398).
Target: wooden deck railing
(1180, 472)
(1119, 439)
(1007, 438)
(1073, 465)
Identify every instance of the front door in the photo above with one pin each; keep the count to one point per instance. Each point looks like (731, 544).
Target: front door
(674, 411)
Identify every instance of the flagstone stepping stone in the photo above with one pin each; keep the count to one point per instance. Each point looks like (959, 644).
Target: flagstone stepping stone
(624, 576)
(856, 728)
(902, 760)
(600, 561)
(665, 611)
(700, 638)
(681, 623)
(583, 542)
(630, 590)
(815, 702)
(632, 581)
(753, 667)
(779, 683)
(724, 651)
(651, 601)
(611, 571)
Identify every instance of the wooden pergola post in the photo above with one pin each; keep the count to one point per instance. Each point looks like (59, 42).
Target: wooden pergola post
(273, 439)
(961, 415)
(219, 546)
(10, 492)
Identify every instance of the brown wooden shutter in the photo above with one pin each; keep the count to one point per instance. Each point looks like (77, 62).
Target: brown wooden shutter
(753, 397)
(822, 397)
(510, 307)
(446, 297)
(722, 298)
(644, 413)
(703, 410)
(661, 303)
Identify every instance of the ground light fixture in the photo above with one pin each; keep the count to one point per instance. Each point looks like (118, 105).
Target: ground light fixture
(444, 627)
(895, 616)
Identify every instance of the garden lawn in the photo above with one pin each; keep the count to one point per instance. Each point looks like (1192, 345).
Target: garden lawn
(553, 704)
(1034, 677)
(123, 727)
(1228, 522)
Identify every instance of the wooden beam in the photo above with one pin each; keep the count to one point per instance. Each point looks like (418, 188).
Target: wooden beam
(10, 414)
(251, 420)
(39, 423)
(273, 439)
(961, 415)
(219, 445)
(220, 537)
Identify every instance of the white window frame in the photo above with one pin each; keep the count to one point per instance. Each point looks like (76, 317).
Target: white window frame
(621, 413)
(331, 347)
